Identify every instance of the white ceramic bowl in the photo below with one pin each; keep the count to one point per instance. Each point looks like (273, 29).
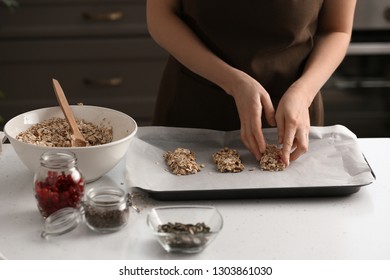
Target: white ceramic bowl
(93, 161)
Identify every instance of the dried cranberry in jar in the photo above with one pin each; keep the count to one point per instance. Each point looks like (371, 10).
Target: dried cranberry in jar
(58, 183)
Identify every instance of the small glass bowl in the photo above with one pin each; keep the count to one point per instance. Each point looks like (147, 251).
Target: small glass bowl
(185, 229)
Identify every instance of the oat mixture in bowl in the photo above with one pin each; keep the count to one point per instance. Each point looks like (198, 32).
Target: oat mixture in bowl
(93, 161)
(55, 132)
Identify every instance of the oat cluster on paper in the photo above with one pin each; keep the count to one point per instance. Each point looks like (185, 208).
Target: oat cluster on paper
(228, 160)
(182, 162)
(271, 160)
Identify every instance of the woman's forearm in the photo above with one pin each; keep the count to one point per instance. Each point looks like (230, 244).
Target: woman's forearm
(327, 55)
(171, 33)
(330, 46)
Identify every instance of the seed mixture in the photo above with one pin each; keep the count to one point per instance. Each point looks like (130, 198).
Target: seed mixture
(185, 235)
(182, 162)
(228, 160)
(271, 160)
(184, 228)
(55, 132)
(105, 219)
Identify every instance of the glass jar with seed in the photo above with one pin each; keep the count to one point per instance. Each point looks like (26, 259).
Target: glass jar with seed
(106, 209)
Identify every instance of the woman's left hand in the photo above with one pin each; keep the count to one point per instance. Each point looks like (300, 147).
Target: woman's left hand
(293, 123)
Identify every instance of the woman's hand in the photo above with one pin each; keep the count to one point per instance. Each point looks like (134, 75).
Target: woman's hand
(293, 123)
(251, 99)
(330, 45)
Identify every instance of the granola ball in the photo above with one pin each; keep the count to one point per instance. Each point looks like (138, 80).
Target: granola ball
(228, 160)
(271, 160)
(182, 162)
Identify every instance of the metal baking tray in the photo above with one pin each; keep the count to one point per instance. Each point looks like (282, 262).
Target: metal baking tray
(333, 166)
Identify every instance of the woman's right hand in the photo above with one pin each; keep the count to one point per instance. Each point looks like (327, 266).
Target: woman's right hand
(168, 30)
(251, 99)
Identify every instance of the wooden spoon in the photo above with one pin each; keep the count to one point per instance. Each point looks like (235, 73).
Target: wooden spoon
(77, 139)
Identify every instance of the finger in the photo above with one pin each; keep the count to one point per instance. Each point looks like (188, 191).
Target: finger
(280, 130)
(302, 145)
(257, 133)
(247, 139)
(252, 134)
(269, 110)
(288, 142)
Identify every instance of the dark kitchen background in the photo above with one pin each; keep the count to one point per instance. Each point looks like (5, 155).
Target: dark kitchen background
(101, 53)
(358, 94)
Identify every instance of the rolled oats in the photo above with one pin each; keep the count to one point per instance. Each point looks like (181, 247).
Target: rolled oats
(271, 160)
(55, 132)
(228, 160)
(182, 162)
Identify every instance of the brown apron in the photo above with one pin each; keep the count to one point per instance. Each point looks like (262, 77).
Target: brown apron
(269, 40)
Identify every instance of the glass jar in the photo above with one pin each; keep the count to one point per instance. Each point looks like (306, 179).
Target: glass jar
(58, 183)
(106, 209)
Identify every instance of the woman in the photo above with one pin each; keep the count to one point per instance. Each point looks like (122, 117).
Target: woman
(233, 62)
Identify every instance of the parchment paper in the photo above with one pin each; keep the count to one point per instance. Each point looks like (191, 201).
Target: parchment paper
(333, 159)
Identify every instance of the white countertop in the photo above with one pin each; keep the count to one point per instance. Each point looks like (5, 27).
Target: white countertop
(350, 227)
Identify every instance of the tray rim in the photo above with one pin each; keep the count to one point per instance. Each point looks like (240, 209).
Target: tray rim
(219, 194)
